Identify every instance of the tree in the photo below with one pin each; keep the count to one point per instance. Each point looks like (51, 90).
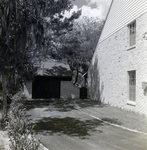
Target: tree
(78, 45)
(27, 28)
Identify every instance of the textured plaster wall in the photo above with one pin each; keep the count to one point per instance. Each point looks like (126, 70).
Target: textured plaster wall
(108, 73)
(68, 90)
(93, 80)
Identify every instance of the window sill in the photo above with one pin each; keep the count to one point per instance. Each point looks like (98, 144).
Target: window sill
(131, 103)
(131, 47)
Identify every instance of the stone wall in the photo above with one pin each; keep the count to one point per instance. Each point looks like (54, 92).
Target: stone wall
(108, 73)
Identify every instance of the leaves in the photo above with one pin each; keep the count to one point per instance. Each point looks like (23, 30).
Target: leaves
(26, 34)
(25, 37)
(20, 131)
(78, 45)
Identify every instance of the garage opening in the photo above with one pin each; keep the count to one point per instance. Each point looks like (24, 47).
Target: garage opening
(45, 87)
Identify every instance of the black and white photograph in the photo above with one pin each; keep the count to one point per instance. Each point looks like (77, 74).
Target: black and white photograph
(73, 75)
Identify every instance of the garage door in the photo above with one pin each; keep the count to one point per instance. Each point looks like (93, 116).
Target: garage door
(45, 87)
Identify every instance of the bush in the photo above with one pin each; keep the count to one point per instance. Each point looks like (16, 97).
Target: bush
(20, 131)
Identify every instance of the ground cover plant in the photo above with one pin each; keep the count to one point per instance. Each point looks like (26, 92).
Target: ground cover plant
(20, 131)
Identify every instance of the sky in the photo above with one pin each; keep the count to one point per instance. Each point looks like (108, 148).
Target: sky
(92, 8)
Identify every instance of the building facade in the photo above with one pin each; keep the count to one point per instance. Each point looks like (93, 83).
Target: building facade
(52, 80)
(118, 71)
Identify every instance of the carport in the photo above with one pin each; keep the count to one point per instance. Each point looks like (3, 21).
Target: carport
(48, 86)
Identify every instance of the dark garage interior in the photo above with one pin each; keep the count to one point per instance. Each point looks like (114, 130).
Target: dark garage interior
(48, 86)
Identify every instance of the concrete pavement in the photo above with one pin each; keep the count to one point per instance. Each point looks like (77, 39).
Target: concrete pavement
(119, 117)
(86, 125)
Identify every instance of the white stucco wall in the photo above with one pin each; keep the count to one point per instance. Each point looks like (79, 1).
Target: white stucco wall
(115, 59)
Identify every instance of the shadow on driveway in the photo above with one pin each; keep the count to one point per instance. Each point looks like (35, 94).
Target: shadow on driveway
(68, 126)
(63, 105)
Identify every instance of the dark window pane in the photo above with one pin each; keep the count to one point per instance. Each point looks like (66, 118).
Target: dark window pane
(132, 85)
(132, 31)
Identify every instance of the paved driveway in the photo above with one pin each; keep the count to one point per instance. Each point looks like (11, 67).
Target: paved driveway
(61, 126)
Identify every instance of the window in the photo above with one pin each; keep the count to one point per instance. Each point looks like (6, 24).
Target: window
(132, 33)
(132, 85)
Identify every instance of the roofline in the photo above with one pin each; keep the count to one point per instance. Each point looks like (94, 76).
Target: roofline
(64, 78)
(105, 20)
(131, 20)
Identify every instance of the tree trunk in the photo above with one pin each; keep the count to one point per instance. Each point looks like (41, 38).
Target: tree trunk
(4, 92)
(76, 78)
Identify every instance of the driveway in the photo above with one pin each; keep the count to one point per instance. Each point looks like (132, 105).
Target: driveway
(61, 125)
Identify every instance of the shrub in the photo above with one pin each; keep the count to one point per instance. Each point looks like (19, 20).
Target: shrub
(20, 131)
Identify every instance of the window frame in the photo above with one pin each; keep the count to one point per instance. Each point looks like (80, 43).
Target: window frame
(131, 36)
(132, 87)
